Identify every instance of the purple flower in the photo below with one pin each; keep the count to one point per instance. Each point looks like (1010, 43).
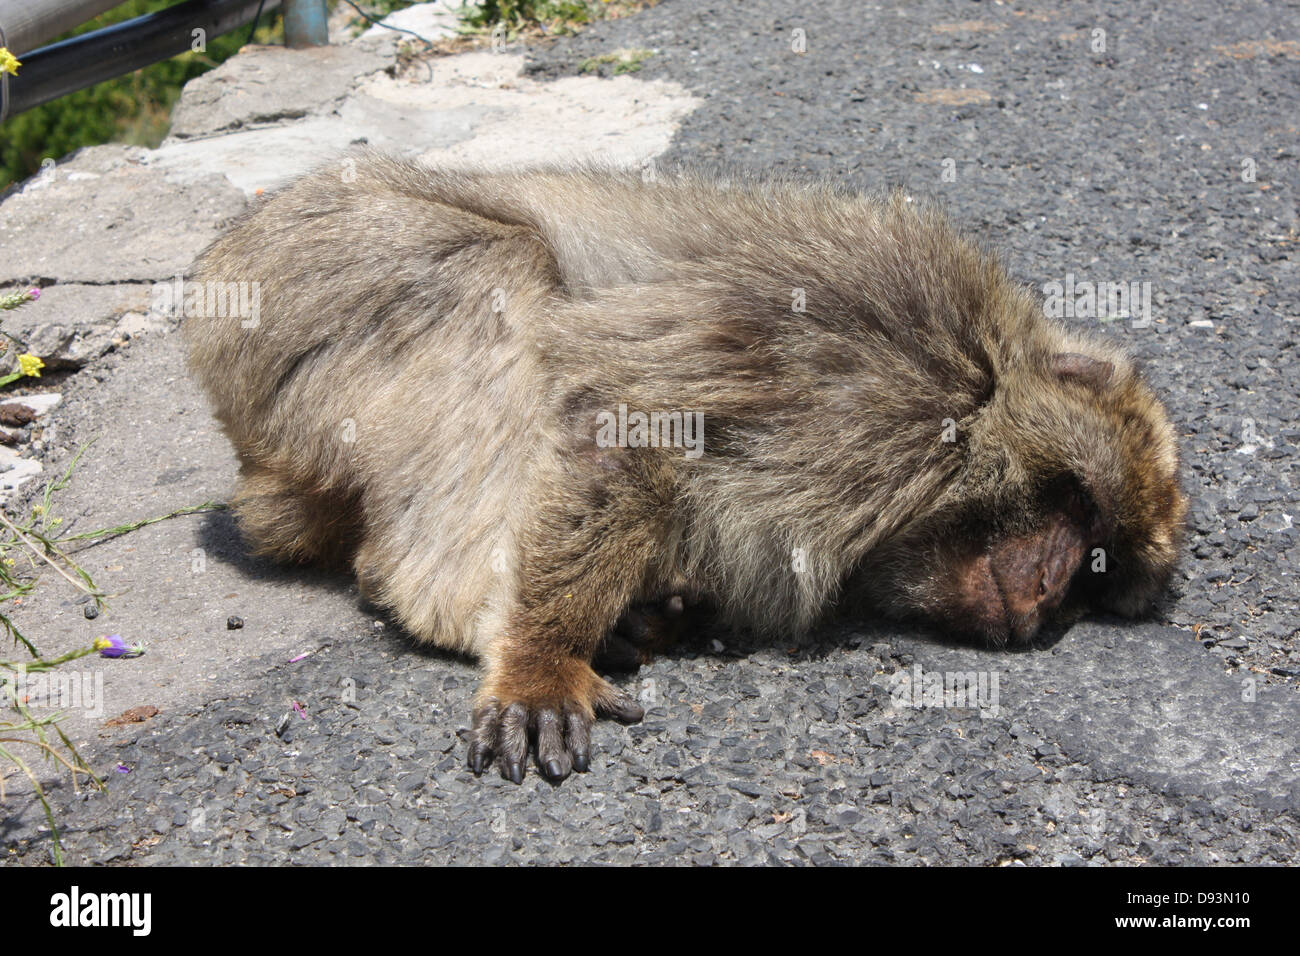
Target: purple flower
(12, 300)
(114, 646)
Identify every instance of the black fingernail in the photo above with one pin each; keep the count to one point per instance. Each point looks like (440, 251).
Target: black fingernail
(476, 764)
(554, 770)
(516, 773)
(581, 762)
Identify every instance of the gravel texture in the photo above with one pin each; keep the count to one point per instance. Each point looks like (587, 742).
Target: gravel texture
(748, 754)
(1172, 741)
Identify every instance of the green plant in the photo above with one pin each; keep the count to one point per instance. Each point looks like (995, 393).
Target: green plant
(28, 364)
(557, 16)
(33, 538)
(623, 61)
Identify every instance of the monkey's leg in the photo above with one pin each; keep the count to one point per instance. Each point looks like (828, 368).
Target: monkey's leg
(574, 587)
(289, 524)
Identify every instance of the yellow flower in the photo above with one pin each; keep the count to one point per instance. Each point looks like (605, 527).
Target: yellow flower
(8, 62)
(29, 364)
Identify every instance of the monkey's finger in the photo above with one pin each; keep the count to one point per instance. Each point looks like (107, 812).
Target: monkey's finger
(482, 735)
(552, 755)
(613, 702)
(512, 742)
(577, 731)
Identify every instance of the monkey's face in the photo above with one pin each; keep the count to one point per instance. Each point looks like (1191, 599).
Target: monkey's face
(1068, 499)
(1009, 589)
(998, 572)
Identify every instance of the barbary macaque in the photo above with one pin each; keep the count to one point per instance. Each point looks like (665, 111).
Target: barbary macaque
(479, 391)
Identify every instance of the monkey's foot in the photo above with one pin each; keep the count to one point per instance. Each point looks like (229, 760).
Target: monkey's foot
(557, 723)
(644, 630)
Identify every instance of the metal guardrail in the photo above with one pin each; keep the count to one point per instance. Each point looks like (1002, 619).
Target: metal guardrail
(61, 68)
(27, 24)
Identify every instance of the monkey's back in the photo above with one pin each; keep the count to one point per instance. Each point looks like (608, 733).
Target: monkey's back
(384, 406)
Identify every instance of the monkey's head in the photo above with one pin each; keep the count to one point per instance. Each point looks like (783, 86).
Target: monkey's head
(1067, 498)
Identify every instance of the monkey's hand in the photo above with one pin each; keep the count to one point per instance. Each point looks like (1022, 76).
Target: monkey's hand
(552, 707)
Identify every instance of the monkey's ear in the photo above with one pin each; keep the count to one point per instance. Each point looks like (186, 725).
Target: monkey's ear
(1084, 369)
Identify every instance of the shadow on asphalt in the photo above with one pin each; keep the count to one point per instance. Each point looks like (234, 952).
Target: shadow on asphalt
(703, 635)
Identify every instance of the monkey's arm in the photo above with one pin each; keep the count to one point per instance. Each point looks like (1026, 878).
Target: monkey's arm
(593, 550)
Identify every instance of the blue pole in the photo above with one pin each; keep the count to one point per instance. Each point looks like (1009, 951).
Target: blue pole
(305, 23)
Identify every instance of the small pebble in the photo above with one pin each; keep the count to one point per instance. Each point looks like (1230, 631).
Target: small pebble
(234, 623)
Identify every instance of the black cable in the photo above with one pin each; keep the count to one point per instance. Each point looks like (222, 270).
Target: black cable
(378, 23)
(253, 28)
